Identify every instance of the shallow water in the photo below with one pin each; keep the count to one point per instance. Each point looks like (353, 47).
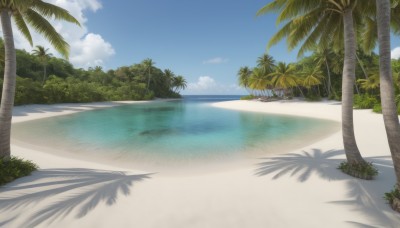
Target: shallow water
(185, 130)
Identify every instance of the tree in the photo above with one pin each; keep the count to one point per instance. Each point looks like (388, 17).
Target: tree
(322, 57)
(44, 56)
(266, 63)
(179, 83)
(325, 23)
(244, 77)
(259, 80)
(312, 76)
(148, 63)
(389, 109)
(284, 77)
(36, 14)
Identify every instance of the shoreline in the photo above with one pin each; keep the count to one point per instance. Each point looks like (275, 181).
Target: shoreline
(301, 188)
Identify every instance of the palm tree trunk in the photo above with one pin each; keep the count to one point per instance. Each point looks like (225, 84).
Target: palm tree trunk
(389, 109)
(362, 67)
(350, 146)
(329, 78)
(7, 99)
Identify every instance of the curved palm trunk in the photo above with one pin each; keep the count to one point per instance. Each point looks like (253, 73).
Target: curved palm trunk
(389, 109)
(350, 146)
(329, 77)
(7, 99)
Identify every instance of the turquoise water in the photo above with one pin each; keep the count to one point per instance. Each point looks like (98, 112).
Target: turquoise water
(188, 129)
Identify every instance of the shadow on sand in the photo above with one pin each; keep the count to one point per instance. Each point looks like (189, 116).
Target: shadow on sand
(69, 191)
(363, 196)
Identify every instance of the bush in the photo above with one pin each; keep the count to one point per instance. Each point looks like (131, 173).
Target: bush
(248, 97)
(360, 170)
(377, 108)
(14, 168)
(390, 196)
(365, 101)
(313, 97)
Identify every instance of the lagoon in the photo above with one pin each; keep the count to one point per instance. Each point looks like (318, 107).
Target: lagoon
(172, 132)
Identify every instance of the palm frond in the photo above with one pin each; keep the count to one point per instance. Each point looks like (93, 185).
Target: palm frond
(42, 26)
(49, 10)
(21, 25)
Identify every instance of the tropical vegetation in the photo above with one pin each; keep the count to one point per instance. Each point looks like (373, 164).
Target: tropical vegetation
(329, 28)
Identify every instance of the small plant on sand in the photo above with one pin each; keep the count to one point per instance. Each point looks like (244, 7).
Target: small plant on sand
(393, 198)
(360, 170)
(248, 97)
(14, 168)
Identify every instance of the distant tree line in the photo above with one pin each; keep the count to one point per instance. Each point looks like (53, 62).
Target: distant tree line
(44, 79)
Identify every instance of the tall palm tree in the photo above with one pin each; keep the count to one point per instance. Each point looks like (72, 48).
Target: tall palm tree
(259, 80)
(44, 56)
(389, 109)
(148, 64)
(325, 23)
(244, 77)
(169, 76)
(322, 57)
(285, 77)
(36, 14)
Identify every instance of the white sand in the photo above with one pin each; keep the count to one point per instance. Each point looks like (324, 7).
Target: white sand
(298, 189)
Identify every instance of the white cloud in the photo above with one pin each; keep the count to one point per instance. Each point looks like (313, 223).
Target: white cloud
(395, 53)
(207, 85)
(86, 49)
(216, 60)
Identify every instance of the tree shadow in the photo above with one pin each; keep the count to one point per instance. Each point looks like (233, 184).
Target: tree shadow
(363, 196)
(303, 165)
(367, 196)
(76, 191)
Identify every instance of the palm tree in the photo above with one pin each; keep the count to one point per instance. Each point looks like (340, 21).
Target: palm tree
(322, 57)
(179, 83)
(325, 23)
(266, 63)
(36, 14)
(169, 76)
(43, 55)
(148, 64)
(244, 77)
(389, 109)
(312, 76)
(285, 77)
(259, 80)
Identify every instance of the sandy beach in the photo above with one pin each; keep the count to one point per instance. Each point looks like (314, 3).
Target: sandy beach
(301, 188)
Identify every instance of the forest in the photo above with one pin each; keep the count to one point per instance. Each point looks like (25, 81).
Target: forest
(45, 79)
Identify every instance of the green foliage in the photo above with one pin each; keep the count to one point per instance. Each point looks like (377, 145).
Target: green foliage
(248, 97)
(360, 170)
(14, 168)
(377, 108)
(313, 97)
(390, 196)
(365, 101)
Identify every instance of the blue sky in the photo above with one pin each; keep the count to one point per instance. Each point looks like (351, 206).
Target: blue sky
(206, 41)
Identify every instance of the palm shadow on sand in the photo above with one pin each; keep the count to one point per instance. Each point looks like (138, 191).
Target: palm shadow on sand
(76, 191)
(363, 196)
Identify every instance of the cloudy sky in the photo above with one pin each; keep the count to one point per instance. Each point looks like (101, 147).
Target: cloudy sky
(205, 41)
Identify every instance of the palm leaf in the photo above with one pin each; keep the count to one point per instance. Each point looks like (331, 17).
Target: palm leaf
(20, 22)
(49, 10)
(42, 26)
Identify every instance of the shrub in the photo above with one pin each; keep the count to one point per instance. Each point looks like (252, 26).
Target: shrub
(360, 170)
(248, 97)
(14, 168)
(365, 101)
(390, 196)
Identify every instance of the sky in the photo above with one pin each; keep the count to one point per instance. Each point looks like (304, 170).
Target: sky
(205, 41)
